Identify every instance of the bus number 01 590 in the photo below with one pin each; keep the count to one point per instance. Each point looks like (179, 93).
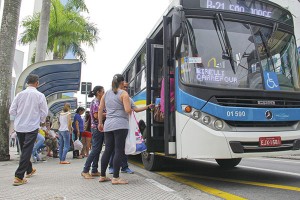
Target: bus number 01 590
(236, 113)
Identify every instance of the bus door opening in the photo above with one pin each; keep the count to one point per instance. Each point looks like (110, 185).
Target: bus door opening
(155, 140)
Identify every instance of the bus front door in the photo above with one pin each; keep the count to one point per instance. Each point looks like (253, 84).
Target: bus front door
(155, 138)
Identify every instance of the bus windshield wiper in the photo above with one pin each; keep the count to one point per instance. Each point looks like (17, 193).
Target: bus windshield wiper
(191, 36)
(266, 47)
(224, 40)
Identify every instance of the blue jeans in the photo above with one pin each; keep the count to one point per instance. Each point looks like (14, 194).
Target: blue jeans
(93, 159)
(40, 141)
(64, 144)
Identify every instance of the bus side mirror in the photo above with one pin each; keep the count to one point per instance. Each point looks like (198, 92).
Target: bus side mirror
(176, 24)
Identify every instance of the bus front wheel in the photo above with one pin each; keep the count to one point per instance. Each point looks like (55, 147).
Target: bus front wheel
(151, 161)
(228, 163)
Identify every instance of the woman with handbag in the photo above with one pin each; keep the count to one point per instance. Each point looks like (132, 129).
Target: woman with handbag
(78, 129)
(117, 104)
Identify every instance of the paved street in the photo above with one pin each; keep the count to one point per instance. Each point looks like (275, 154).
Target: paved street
(53, 181)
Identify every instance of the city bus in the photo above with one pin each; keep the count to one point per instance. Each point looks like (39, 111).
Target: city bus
(230, 69)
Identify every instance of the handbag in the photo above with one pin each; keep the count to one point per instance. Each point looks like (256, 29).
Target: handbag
(134, 143)
(158, 115)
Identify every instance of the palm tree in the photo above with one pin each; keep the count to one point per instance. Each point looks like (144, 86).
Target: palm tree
(59, 12)
(8, 37)
(42, 38)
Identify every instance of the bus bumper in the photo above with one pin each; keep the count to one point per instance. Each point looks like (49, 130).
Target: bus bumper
(195, 140)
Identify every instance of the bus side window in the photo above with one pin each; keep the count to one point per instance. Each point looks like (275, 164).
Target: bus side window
(131, 88)
(130, 73)
(140, 81)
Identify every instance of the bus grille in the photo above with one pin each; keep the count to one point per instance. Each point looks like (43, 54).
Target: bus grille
(253, 147)
(257, 102)
(261, 124)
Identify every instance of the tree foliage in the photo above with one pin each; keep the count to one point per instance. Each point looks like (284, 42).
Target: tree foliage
(68, 30)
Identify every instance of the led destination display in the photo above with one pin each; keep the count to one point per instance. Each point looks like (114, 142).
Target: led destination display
(253, 7)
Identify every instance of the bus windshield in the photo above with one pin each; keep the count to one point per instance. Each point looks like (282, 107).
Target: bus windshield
(260, 58)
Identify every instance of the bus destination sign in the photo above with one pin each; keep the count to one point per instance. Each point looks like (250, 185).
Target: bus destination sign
(260, 9)
(253, 7)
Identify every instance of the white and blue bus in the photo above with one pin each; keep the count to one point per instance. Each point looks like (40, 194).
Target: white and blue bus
(237, 82)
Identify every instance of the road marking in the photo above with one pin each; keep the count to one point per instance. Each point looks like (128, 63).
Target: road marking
(206, 189)
(209, 190)
(161, 186)
(283, 187)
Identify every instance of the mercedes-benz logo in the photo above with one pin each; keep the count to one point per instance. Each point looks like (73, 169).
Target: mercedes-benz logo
(269, 115)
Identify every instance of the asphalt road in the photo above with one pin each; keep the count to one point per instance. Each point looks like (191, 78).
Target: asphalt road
(255, 178)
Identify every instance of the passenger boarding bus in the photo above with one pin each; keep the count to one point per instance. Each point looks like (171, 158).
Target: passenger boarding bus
(234, 69)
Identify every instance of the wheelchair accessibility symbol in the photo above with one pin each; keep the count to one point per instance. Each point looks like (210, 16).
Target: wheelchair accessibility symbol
(271, 81)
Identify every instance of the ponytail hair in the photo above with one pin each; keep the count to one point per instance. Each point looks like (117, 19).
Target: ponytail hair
(118, 78)
(95, 90)
(67, 107)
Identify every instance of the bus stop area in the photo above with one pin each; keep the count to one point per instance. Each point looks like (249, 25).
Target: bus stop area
(53, 181)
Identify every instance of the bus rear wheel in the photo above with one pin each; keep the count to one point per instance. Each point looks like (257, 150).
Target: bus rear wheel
(228, 163)
(151, 161)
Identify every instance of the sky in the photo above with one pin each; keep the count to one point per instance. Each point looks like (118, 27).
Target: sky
(123, 27)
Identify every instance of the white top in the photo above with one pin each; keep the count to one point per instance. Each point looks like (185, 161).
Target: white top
(63, 120)
(30, 109)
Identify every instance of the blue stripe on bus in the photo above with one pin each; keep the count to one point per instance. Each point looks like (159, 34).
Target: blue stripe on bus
(140, 96)
(234, 113)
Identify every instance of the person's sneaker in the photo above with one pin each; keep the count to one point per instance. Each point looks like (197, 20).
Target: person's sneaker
(30, 174)
(111, 170)
(127, 170)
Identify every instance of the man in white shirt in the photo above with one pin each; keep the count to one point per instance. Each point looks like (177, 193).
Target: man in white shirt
(30, 109)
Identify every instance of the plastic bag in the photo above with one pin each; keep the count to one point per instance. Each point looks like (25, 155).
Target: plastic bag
(135, 143)
(77, 145)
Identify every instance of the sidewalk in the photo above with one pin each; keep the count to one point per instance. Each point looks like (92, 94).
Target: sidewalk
(63, 182)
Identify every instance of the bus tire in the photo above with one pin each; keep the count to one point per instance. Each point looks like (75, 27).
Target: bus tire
(151, 161)
(228, 163)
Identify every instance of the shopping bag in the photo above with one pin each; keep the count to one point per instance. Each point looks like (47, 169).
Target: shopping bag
(77, 145)
(135, 143)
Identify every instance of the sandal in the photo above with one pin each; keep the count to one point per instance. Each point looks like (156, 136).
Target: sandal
(18, 181)
(104, 178)
(86, 175)
(31, 173)
(118, 181)
(64, 162)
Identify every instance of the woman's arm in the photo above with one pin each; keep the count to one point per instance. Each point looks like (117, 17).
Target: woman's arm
(77, 128)
(70, 123)
(100, 113)
(126, 102)
(140, 109)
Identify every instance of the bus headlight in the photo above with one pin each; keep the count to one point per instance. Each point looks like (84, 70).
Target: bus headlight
(196, 115)
(206, 119)
(218, 124)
